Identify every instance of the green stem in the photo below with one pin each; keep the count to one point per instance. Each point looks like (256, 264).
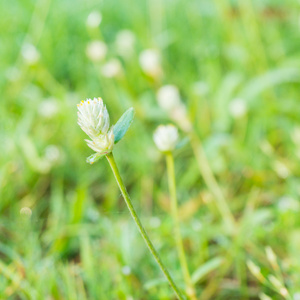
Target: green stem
(178, 238)
(212, 183)
(138, 223)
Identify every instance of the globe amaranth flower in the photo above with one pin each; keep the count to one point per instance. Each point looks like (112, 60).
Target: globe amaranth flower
(93, 118)
(166, 137)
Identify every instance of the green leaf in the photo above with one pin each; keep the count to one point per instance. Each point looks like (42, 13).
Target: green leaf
(123, 124)
(206, 268)
(95, 157)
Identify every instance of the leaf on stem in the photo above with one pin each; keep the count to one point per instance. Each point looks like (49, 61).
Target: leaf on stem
(123, 124)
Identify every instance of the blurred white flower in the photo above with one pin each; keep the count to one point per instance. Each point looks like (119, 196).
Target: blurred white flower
(288, 203)
(125, 41)
(168, 97)
(166, 137)
(150, 62)
(196, 225)
(281, 169)
(237, 108)
(93, 118)
(94, 19)
(112, 68)
(26, 211)
(126, 270)
(296, 296)
(179, 115)
(30, 54)
(96, 50)
(52, 153)
(48, 108)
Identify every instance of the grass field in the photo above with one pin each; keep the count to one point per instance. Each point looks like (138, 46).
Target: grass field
(65, 231)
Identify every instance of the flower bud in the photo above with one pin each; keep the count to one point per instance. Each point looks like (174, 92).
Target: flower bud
(93, 117)
(96, 50)
(166, 137)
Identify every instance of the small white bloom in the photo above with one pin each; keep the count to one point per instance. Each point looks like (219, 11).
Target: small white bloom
(179, 115)
(166, 137)
(96, 50)
(52, 153)
(125, 40)
(26, 211)
(48, 108)
(30, 53)
(168, 97)
(126, 270)
(111, 69)
(93, 118)
(150, 62)
(288, 203)
(281, 169)
(94, 19)
(237, 108)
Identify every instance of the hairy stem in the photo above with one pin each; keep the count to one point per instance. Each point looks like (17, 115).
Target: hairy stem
(138, 223)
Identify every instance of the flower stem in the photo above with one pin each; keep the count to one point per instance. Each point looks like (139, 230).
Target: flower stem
(138, 223)
(178, 238)
(212, 183)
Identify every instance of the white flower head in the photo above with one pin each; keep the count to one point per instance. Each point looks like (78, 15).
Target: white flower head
(125, 40)
(30, 54)
(150, 62)
(96, 50)
(112, 68)
(94, 19)
(26, 211)
(93, 118)
(48, 108)
(166, 137)
(168, 97)
(237, 108)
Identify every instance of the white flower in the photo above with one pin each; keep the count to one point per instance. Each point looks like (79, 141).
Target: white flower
(168, 97)
(26, 211)
(96, 50)
(111, 69)
(166, 137)
(48, 108)
(30, 53)
(53, 153)
(94, 19)
(150, 62)
(102, 143)
(237, 108)
(125, 40)
(93, 118)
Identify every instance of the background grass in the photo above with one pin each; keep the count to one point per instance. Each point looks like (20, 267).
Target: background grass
(80, 242)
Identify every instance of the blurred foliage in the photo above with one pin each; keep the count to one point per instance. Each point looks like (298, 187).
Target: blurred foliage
(236, 65)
